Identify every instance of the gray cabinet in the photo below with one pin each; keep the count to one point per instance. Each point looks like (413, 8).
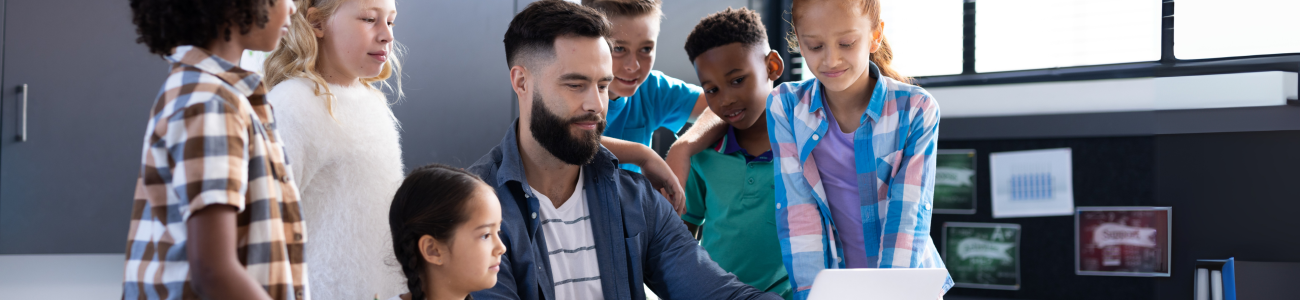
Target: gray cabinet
(68, 187)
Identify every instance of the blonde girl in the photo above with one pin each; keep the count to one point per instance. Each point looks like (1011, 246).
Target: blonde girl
(343, 143)
(855, 148)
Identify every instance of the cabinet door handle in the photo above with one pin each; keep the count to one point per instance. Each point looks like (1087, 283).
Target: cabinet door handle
(22, 126)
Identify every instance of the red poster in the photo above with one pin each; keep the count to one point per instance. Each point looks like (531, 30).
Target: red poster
(1122, 241)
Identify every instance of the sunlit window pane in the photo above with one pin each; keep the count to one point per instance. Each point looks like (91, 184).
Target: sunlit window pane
(925, 35)
(1038, 34)
(1215, 28)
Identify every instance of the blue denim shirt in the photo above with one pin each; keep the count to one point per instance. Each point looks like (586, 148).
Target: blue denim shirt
(639, 238)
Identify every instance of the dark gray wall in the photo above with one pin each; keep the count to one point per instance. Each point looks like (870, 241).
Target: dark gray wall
(458, 101)
(68, 189)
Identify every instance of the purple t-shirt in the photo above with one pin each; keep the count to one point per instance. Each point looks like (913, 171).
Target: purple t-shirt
(834, 159)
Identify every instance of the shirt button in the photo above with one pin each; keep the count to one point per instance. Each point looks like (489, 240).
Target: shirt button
(534, 215)
(297, 237)
(751, 181)
(778, 206)
(815, 137)
(751, 166)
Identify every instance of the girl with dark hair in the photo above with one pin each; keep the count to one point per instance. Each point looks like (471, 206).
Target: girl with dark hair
(445, 224)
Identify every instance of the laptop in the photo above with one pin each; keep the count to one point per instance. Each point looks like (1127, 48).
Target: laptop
(892, 284)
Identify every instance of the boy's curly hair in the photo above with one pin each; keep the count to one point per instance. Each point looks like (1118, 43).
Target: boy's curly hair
(165, 24)
(725, 27)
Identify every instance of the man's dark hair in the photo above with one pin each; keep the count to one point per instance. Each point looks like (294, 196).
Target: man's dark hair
(534, 30)
(725, 27)
(165, 24)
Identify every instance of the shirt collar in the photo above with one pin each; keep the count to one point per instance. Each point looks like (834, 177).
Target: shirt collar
(244, 81)
(729, 145)
(512, 167)
(874, 107)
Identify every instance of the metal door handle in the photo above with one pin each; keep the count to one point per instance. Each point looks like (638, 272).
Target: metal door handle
(22, 127)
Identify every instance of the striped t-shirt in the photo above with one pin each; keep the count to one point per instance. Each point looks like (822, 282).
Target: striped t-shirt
(571, 246)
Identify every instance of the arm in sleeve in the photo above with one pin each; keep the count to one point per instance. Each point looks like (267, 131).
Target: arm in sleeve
(911, 190)
(791, 190)
(678, 268)
(208, 143)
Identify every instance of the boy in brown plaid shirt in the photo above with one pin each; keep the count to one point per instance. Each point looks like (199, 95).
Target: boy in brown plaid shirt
(216, 214)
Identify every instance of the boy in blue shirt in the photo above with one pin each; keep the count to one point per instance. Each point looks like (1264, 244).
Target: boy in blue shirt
(643, 100)
(737, 69)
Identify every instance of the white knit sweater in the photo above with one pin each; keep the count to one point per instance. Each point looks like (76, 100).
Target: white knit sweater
(347, 167)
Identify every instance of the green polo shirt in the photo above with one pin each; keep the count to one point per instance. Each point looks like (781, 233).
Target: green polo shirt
(731, 196)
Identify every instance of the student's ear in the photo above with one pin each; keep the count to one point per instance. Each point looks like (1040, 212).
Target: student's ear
(432, 250)
(877, 36)
(317, 22)
(775, 66)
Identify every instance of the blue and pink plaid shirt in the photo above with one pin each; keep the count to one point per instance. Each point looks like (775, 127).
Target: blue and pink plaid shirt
(894, 157)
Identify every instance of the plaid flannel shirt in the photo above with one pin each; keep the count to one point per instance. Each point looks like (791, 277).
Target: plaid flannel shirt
(211, 140)
(894, 156)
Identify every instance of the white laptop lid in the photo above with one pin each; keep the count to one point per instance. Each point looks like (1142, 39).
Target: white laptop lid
(892, 284)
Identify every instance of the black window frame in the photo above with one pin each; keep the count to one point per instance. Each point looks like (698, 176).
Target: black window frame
(1167, 66)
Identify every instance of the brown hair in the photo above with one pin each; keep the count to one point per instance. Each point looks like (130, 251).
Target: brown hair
(870, 9)
(299, 50)
(625, 8)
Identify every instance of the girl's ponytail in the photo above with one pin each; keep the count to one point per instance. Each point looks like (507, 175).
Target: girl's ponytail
(883, 58)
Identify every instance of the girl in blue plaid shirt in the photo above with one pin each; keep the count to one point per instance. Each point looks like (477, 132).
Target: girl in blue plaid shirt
(855, 148)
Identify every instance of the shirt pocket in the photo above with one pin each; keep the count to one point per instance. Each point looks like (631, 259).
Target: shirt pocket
(634, 262)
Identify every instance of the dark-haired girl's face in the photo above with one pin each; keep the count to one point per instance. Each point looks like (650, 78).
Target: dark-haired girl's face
(266, 38)
(473, 256)
(836, 42)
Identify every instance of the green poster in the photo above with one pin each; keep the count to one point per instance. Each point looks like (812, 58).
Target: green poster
(954, 182)
(983, 255)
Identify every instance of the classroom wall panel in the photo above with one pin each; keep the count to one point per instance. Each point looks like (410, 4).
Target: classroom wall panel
(458, 100)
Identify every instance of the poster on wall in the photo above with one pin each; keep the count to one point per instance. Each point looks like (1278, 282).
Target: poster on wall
(1123, 241)
(982, 255)
(1033, 183)
(954, 182)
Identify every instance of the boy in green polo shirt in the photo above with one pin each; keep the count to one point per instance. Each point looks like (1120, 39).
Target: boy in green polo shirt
(730, 187)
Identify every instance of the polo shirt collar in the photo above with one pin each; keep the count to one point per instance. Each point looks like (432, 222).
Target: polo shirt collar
(729, 145)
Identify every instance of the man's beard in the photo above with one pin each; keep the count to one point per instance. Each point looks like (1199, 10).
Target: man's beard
(553, 133)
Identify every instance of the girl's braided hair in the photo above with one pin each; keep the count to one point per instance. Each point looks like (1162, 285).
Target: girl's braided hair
(431, 201)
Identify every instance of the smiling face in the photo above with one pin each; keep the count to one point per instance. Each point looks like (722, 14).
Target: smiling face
(634, 40)
(837, 43)
(356, 41)
(737, 79)
(566, 108)
(267, 37)
(473, 256)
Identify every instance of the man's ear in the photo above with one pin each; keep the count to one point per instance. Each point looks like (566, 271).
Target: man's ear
(520, 82)
(432, 250)
(317, 22)
(775, 66)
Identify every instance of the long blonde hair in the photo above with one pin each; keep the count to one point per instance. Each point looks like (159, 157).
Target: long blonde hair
(883, 58)
(299, 50)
